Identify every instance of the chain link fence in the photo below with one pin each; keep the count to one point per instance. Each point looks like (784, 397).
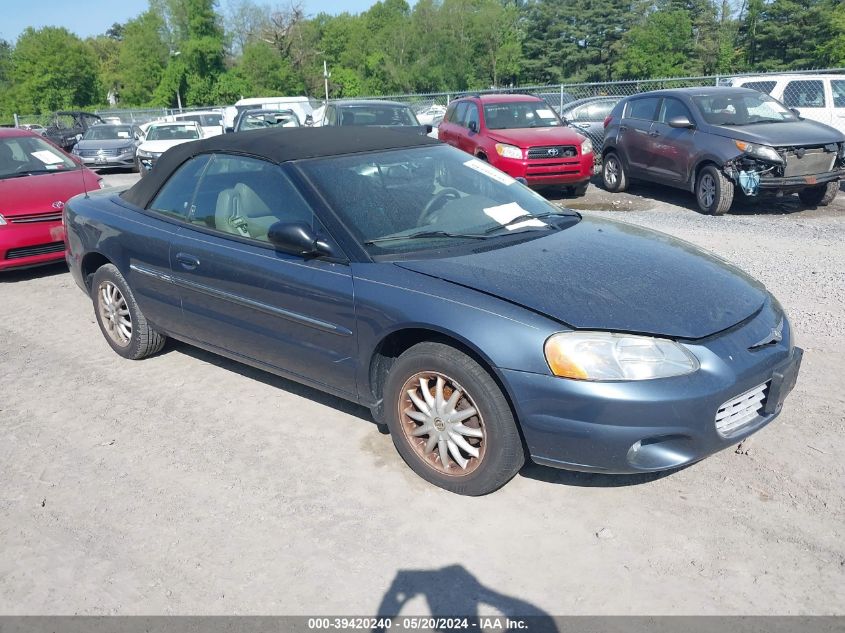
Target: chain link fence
(583, 105)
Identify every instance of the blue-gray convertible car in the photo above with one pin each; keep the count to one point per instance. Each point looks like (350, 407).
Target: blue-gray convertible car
(480, 323)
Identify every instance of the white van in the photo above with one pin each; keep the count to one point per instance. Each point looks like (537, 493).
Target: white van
(300, 105)
(211, 121)
(816, 97)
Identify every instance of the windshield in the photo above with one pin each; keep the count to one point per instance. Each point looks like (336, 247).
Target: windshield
(108, 133)
(742, 109)
(269, 119)
(428, 198)
(172, 133)
(24, 155)
(203, 120)
(386, 115)
(519, 114)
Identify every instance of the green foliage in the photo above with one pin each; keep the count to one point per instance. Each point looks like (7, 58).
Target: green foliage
(190, 49)
(52, 69)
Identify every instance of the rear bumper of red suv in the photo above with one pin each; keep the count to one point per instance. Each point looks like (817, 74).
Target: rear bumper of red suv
(31, 244)
(540, 172)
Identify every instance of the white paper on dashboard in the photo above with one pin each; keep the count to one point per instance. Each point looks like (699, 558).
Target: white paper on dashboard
(504, 213)
(47, 157)
(488, 170)
(545, 114)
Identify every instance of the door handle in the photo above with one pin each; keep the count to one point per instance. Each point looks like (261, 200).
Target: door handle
(654, 133)
(189, 262)
(622, 128)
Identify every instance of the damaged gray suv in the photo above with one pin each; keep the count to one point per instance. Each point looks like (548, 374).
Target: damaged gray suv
(717, 141)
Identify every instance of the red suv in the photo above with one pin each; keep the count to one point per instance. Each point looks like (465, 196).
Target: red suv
(522, 136)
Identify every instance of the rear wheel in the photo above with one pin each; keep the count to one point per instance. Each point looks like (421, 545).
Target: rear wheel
(450, 421)
(120, 319)
(613, 173)
(819, 196)
(713, 191)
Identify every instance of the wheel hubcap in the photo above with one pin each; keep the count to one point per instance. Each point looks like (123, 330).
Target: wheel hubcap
(707, 190)
(114, 313)
(611, 171)
(442, 423)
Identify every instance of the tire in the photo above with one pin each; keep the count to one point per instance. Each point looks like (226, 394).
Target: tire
(713, 191)
(136, 166)
(114, 305)
(580, 190)
(819, 196)
(613, 173)
(491, 433)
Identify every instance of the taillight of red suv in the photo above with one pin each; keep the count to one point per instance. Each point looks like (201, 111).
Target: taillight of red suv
(607, 120)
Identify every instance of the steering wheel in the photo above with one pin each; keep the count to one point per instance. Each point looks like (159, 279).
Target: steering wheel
(439, 199)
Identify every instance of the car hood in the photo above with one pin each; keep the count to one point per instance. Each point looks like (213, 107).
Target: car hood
(801, 133)
(606, 275)
(36, 194)
(105, 144)
(162, 146)
(528, 137)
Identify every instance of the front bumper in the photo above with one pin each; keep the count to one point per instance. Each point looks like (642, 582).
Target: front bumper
(797, 183)
(543, 172)
(124, 160)
(646, 426)
(146, 163)
(31, 244)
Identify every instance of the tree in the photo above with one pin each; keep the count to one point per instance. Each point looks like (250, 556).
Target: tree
(143, 57)
(53, 69)
(659, 47)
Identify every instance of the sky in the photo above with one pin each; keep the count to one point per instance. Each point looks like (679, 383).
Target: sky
(92, 17)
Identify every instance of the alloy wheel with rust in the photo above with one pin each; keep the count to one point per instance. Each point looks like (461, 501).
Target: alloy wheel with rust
(442, 423)
(114, 313)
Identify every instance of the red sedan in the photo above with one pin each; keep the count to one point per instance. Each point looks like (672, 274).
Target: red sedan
(36, 179)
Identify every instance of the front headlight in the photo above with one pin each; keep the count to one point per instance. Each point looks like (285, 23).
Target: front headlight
(760, 151)
(75, 150)
(508, 151)
(587, 146)
(600, 356)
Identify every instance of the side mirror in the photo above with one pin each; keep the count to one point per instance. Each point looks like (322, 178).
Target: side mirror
(680, 122)
(297, 238)
(309, 119)
(428, 128)
(473, 126)
(228, 130)
(796, 112)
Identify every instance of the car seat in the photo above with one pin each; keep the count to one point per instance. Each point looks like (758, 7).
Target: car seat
(240, 211)
(347, 117)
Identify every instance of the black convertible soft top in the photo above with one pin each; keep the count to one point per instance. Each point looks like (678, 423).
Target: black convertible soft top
(277, 145)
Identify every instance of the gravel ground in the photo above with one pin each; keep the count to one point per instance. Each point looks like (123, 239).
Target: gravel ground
(189, 484)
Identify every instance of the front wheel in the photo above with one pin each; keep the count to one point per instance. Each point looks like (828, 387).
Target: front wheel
(450, 421)
(713, 191)
(120, 319)
(819, 196)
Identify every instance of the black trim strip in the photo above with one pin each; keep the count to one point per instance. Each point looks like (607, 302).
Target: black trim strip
(246, 302)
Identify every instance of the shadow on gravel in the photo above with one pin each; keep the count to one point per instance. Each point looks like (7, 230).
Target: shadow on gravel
(453, 592)
(36, 272)
(591, 480)
(272, 380)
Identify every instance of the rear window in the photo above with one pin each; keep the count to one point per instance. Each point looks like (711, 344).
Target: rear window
(644, 109)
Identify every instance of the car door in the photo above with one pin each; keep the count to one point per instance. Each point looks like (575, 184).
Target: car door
(148, 252)
(470, 128)
(671, 149)
(634, 130)
(241, 295)
(455, 130)
(837, 89)
(809, 97)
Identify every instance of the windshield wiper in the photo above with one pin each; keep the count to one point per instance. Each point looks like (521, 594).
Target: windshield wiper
(528, 216)
(31, 172)
(424, 234)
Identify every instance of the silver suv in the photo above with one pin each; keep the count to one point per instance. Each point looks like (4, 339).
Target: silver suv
(714, 141)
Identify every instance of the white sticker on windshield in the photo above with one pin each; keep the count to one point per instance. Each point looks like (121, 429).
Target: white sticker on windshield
(545, 114)
(47, 157)
(505, 213)
(123, 135)
(488, 170)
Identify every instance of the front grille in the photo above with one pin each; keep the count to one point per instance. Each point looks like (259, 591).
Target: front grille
(812, 161)
(93, 153)
(736, 414)
(53, 216)
(41, 249)
(552, 151)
